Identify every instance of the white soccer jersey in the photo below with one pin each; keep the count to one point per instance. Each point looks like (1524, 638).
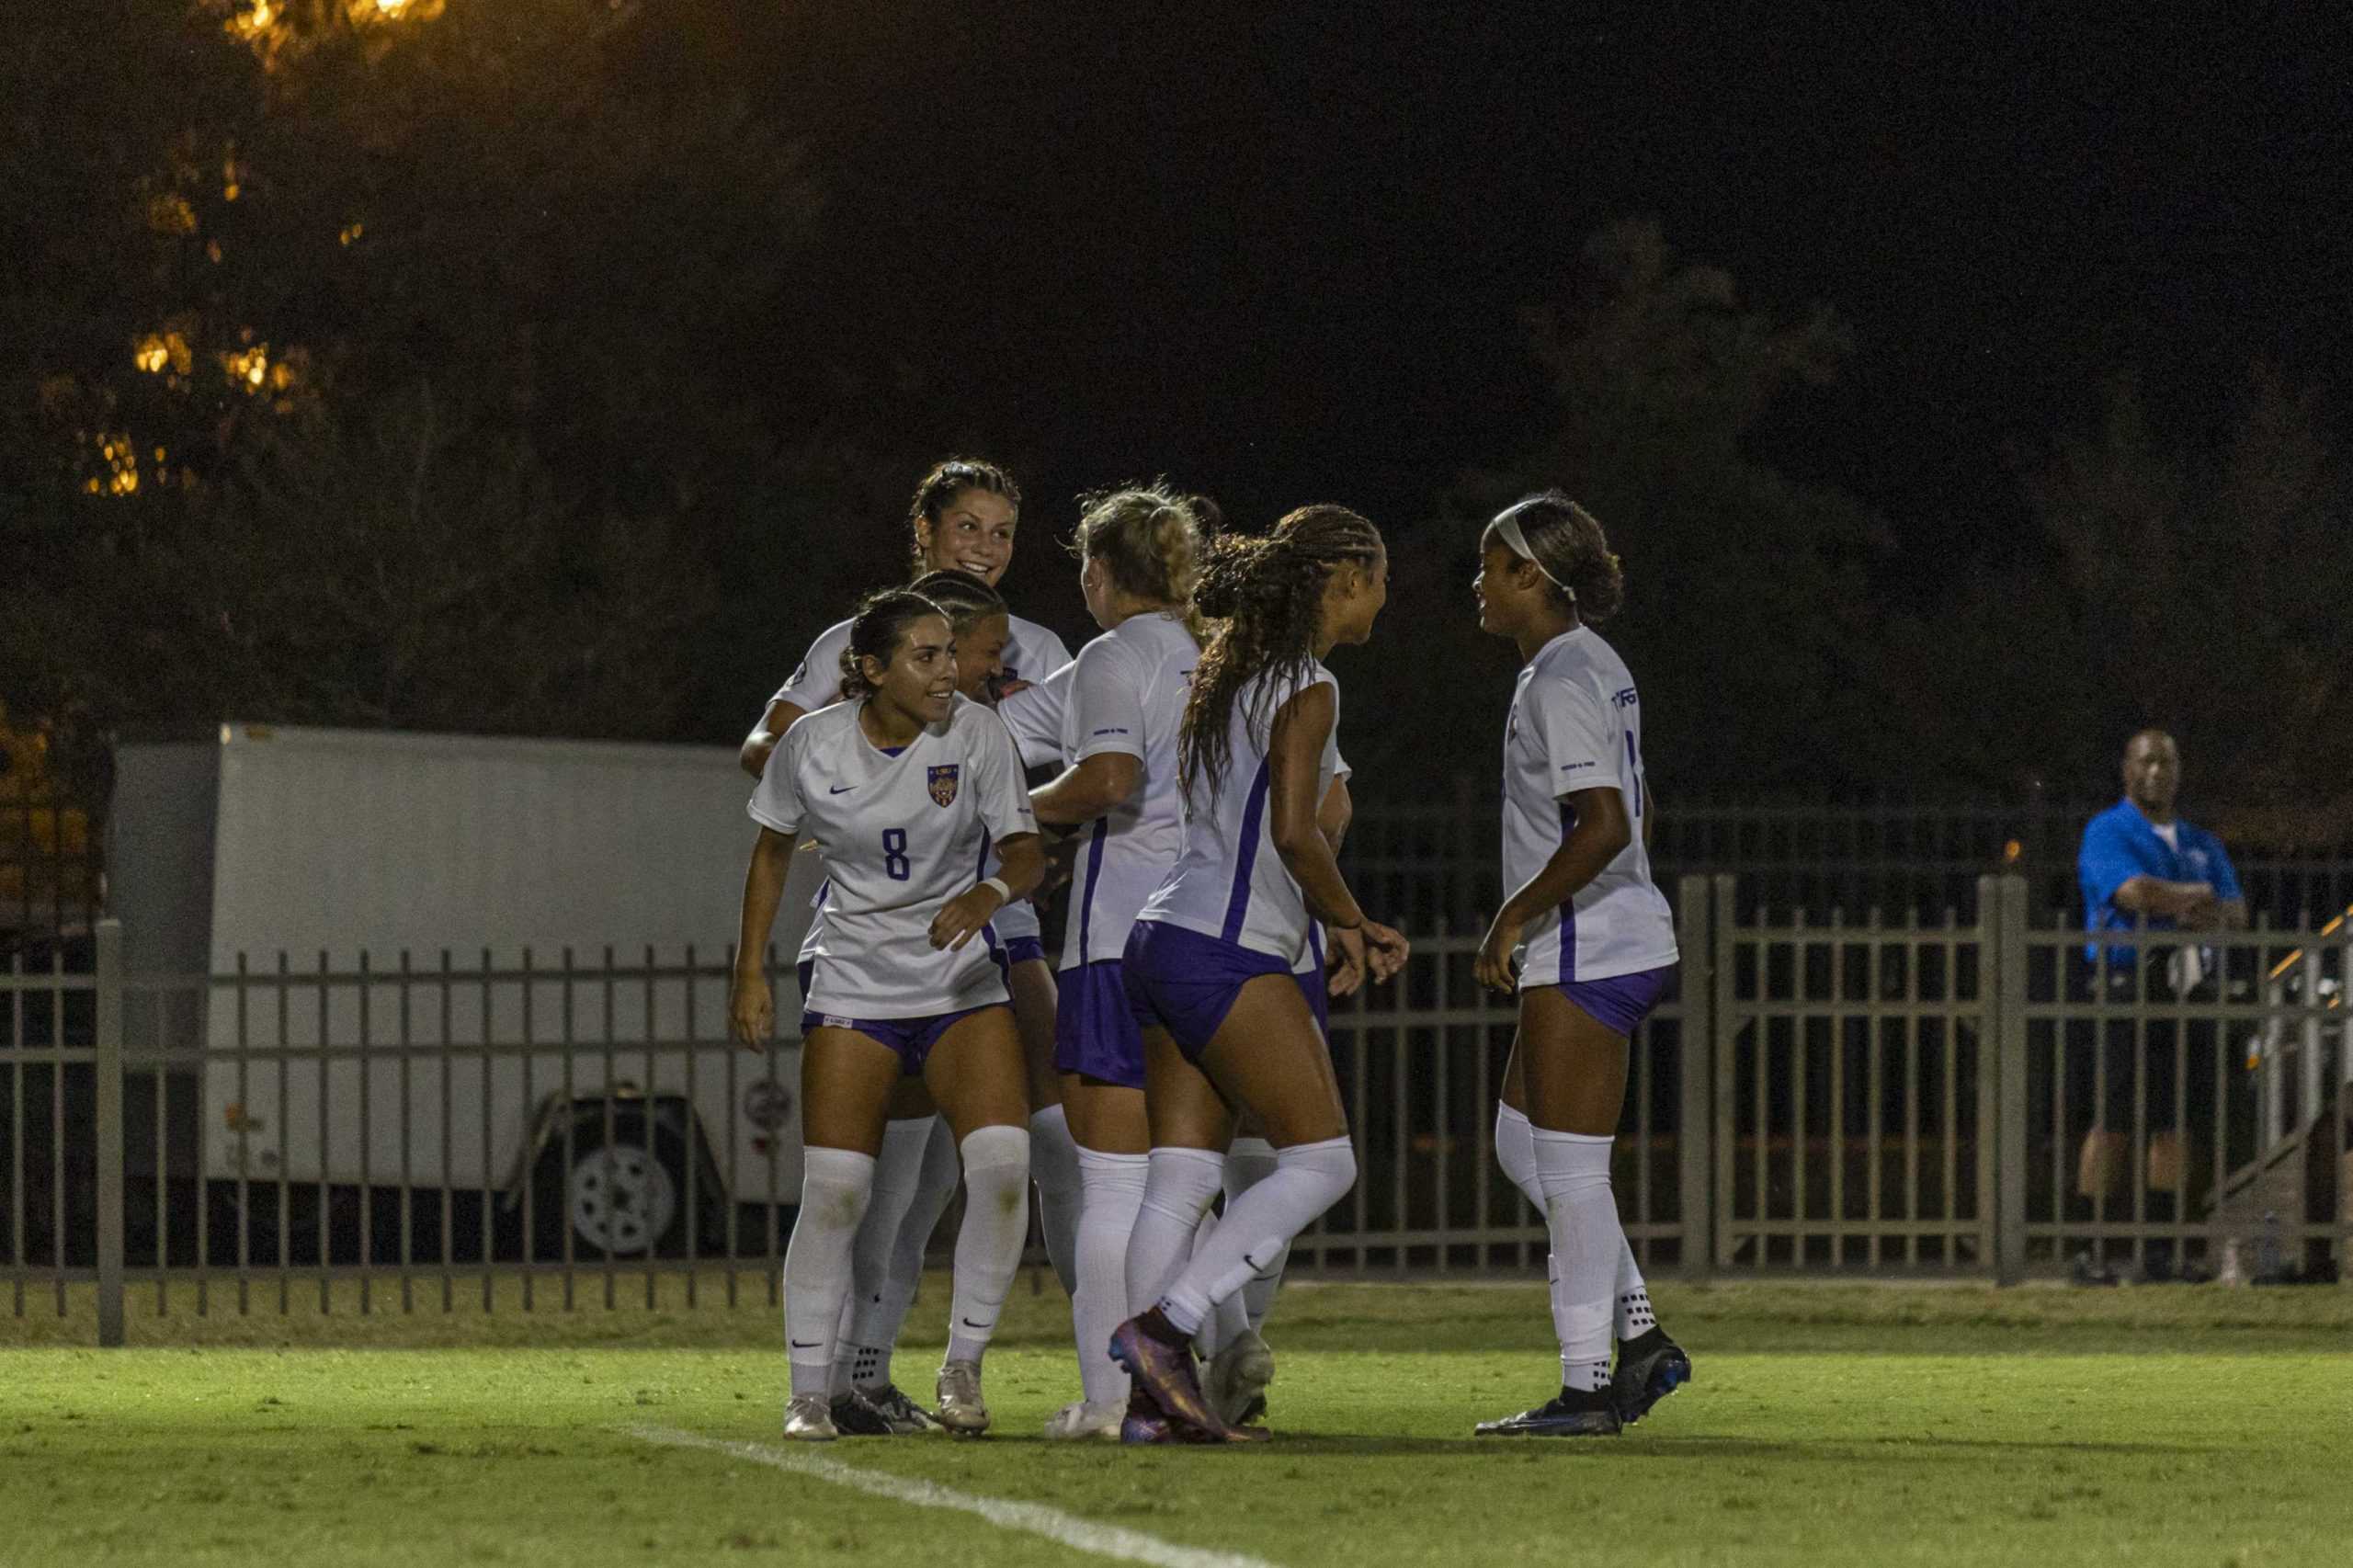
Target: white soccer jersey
(1032, 652)
(1127, 694)
(1576, 724)
(1229, 882)
(1034, 714)
(901, 835)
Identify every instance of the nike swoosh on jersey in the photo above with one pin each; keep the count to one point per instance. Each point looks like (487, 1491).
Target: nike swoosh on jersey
(839, 789)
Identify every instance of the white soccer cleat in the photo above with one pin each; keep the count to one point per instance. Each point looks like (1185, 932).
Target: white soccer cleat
(960, 1408)
(808, 1419)
(1235, 1380)
(1079, 1421)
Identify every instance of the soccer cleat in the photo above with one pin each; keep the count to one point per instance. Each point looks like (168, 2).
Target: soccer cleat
(1649, 1366)
(904, 1415)
(854, 1417)
(1161, 1360)
(1564, 1415)
(1235, 1380)
(1079, 1421)
(807, 1420)
(960, 1409)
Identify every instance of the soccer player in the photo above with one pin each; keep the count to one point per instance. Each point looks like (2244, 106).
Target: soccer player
(1124, 699)
(1209, 966)
(964, 517)
(1585, 939)
(904, 786)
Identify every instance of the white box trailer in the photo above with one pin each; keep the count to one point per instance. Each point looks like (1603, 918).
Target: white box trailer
(466, 961)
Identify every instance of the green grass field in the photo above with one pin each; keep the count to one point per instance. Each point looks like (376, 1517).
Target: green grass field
(1830, 1423)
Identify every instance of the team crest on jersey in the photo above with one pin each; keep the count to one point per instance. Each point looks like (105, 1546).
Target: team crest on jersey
(943, 783)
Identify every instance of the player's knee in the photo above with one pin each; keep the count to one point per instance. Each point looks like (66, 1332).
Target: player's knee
(1330, 1164)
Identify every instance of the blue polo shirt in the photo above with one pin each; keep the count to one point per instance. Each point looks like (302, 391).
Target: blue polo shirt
(2119, 844)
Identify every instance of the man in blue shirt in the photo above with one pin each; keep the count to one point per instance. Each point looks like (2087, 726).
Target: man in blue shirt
(2143, 868)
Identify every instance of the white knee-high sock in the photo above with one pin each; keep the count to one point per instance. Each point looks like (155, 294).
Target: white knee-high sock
(1179, 1189)
(1308, 1179)
(1053, 1166)
(1516, 1153)
(1582, 1215)
(988, 1245)
(1248, 1163)
(1113, 1192)
(862, 1356)
(1231, 1318)
(834, 1186)
(935, 1185)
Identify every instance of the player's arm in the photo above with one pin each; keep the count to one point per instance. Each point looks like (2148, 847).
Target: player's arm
(1332, 818)
(1649, 813)
(1095, 787)
(1021, 865)
(751, 1009)
(1601, 834)
(779, 717)
(1294, 766)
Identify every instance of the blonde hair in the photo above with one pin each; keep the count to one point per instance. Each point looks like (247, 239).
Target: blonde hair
(1150, 539)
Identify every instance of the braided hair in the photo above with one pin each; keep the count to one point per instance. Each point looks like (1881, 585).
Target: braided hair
(1268, 592)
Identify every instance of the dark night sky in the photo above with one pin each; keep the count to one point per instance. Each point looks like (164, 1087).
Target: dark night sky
(1277, 253)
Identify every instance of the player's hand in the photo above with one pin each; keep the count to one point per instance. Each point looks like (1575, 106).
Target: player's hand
(1344, 964)
(1005, 689)
(1386, 950)
(1494, 967)
(751, 1011)
(961, 917)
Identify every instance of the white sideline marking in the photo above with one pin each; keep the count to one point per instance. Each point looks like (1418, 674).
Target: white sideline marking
(1066, 1529)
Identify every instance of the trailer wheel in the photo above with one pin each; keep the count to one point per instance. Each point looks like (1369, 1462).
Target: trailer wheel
(620, 1198)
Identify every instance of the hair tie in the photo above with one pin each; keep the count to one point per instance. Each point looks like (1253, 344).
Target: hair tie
(1507, 529)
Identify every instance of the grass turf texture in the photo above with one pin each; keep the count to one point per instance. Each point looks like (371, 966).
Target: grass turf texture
(1831, 1424)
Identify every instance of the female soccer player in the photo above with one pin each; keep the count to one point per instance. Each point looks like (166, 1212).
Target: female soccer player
(1209, 966)
(903, 786)
(1124, 701)
(964, 517)
(1586, 941)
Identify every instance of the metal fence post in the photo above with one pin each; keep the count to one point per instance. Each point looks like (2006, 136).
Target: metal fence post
(1721, 1034)
(1695, 1119)
(109, 1130)
(2007, 1043)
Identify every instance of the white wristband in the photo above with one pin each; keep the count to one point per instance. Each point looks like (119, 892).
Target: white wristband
(1004, 893)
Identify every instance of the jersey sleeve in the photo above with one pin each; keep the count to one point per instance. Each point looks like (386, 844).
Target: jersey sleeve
(996, 774)
(1340, 768)
(1040, 652)
(1106, 702)
(776, 799)
(1034, 715)
(2104, 862)
(816, 682)
(1579, 742)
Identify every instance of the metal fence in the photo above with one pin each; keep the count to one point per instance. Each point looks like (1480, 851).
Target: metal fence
(1435, 864)
(1972, 1096)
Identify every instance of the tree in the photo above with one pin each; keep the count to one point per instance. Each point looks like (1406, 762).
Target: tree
(410, 385)
(2197, 585)
(1745, 590)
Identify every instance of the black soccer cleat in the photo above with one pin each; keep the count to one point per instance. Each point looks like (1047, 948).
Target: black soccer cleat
(1649, 1366)
(855, 1417)
(1565, 1416)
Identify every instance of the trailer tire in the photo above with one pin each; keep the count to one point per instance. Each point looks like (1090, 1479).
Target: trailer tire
(622, 1198)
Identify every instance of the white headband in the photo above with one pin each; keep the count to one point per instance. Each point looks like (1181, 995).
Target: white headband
(1507, 529)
